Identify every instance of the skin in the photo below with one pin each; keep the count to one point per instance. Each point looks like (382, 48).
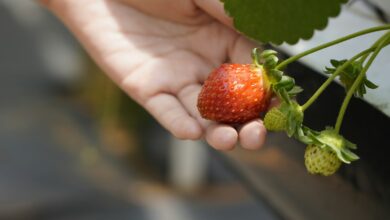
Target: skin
(159, 52)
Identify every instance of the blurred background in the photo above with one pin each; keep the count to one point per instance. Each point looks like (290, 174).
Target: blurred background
(73, 146)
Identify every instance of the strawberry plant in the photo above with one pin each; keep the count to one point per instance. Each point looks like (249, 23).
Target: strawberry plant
(236, 93)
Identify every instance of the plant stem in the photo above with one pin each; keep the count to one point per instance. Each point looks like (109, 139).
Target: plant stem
(323, 46)
(333, 76)
(351, 91)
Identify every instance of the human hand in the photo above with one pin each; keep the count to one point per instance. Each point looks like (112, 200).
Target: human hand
(159, 52)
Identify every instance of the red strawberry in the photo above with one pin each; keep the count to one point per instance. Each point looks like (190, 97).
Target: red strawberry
(234, 93)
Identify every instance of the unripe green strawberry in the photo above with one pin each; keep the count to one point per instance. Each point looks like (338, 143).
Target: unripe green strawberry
(321, 160)
(275, 120)
(288, 116)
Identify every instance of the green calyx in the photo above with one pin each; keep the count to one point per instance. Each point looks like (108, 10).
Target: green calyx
(282, 85)
(329, 139)
(349, 74)
(294, 115)
(266, 59)
(289, 115)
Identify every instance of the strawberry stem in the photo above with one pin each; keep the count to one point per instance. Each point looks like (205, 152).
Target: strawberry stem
(382, 42)
(333, 76)
(334, 42)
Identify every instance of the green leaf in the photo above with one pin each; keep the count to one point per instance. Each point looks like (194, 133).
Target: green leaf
(278, 21)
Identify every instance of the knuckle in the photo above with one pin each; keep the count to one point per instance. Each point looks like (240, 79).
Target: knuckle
(134, 87)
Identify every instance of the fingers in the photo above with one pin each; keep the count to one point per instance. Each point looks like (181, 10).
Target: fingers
(188, 96)
(221, 137)
(181, 117)
(171, 114)
(252, 135)
(215, 9)
(240, 50)
(275, 102)
(184, 12)
(44, 2)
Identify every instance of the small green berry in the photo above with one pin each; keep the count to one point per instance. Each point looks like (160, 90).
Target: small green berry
(321, 161)
(275, 120)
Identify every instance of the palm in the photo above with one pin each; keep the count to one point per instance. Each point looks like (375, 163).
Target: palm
(159, 63)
